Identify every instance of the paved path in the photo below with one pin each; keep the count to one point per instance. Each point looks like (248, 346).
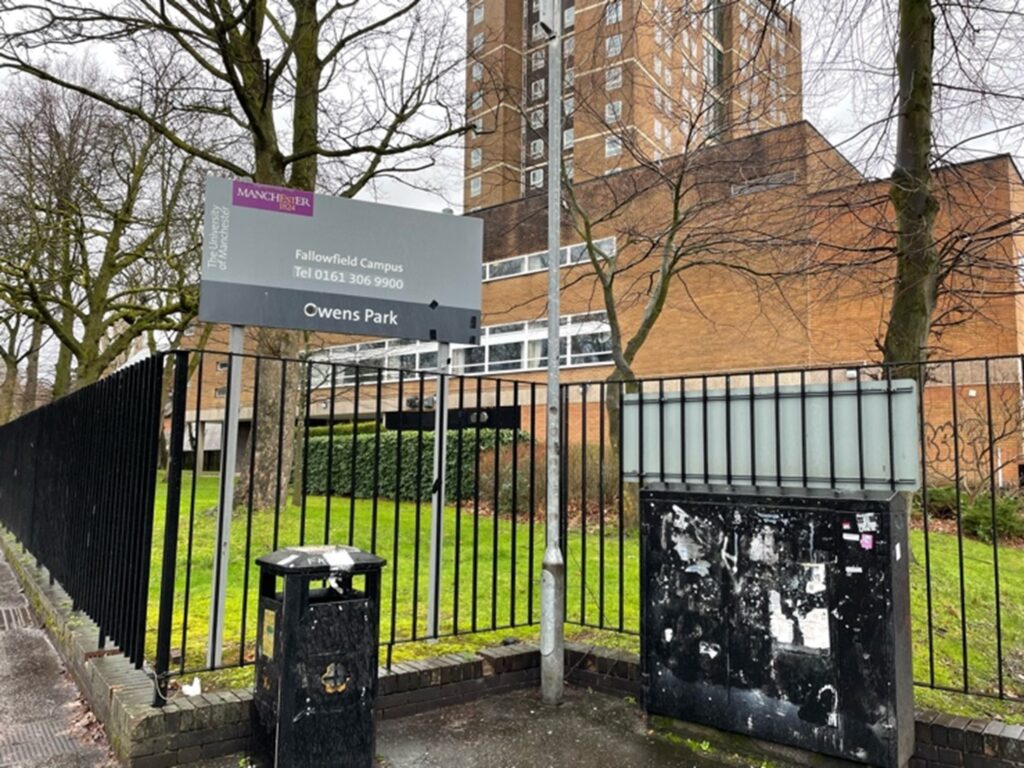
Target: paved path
(517, 731)
(42, 721)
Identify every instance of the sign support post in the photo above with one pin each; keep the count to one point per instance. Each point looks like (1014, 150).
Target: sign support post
(229, 453)
(552, 579)
(438, 492)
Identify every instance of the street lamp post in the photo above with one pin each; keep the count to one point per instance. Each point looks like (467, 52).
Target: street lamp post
(552, 582)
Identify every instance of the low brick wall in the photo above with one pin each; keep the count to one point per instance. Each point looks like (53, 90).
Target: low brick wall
(945, 741)
(190, 729)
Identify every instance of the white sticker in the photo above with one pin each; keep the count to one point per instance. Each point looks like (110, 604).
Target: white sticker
(709, 649)
(852, 569)
(815, 573)
(867, 522)
(286, 560)
(338, 559)
(814, 628)
(899, 552)
(851, 537)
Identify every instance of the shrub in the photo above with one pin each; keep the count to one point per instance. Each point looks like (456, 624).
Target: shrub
(1009, 518)
(976, 512)
(594, 477)
(377, 468)
(501, 464)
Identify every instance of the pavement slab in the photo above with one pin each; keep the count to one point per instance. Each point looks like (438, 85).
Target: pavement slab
(517, 730)
(43, 721)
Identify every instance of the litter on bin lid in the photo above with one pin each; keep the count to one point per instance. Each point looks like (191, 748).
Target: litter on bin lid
(323, 559)
(339, 559)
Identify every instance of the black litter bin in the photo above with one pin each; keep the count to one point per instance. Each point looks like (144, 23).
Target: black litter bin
(316, 655)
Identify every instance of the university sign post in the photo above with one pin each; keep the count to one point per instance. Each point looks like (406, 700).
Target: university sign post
(286, 258)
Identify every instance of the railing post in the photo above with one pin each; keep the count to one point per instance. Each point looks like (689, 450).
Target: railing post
(173, 509)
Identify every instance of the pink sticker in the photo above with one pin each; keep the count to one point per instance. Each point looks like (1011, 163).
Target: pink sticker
(867, 541)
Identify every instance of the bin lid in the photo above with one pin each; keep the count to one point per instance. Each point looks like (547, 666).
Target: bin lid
(320, 560)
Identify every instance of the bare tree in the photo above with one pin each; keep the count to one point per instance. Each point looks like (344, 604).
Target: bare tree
(296, 94)
(951, 93)
(101, 237)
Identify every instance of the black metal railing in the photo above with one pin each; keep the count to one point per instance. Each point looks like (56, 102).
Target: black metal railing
(361, 472)
(331, 452)
(77, 479)
(823, 427)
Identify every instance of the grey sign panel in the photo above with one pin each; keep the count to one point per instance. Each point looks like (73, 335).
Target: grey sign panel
(289, 259)
(818, 436)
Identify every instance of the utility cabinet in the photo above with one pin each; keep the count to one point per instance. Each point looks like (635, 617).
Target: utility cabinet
(783, 614)
(316, 656)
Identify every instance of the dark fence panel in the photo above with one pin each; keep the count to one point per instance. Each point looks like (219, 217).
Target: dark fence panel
(77, 482)
(361, 472)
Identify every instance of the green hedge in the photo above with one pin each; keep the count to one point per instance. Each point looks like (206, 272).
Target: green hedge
(345, 428)
(383, 474)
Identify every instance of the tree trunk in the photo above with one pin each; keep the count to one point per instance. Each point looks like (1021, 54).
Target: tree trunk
(619, 385)
(62, 373)
(8, 391)
(275, 436)
(915, 206)
(31, 393)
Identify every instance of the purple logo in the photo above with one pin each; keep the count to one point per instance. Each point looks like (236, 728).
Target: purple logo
(267, 198)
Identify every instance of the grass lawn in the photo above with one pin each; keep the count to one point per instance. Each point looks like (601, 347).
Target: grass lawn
(502, 593)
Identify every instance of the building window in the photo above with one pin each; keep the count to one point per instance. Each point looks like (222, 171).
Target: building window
(220, 392)
(569, 79)
(537, 59)
(537, 148)
(613, 12)
(478, 100)
(657, 66)
(613, 45)
(613, 78)
(568, 47)
(476, 156)
(713, 64)
(537, 177)
(613, 111)
(569, 17)
(569, 105)
(478, 71)
(537, 119)
(657, 128)
(568, 138)
(478, 14)
(478, 126)
(535, 262)
(478, 41)
(538, 32)
(475, 187)
(222, 365)
(569, 167)
(537, 89)
(666, 75)
(612, 146)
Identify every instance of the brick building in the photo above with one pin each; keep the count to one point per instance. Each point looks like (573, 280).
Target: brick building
(683, 141)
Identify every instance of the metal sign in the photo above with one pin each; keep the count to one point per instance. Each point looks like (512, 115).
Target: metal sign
(285, 258)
